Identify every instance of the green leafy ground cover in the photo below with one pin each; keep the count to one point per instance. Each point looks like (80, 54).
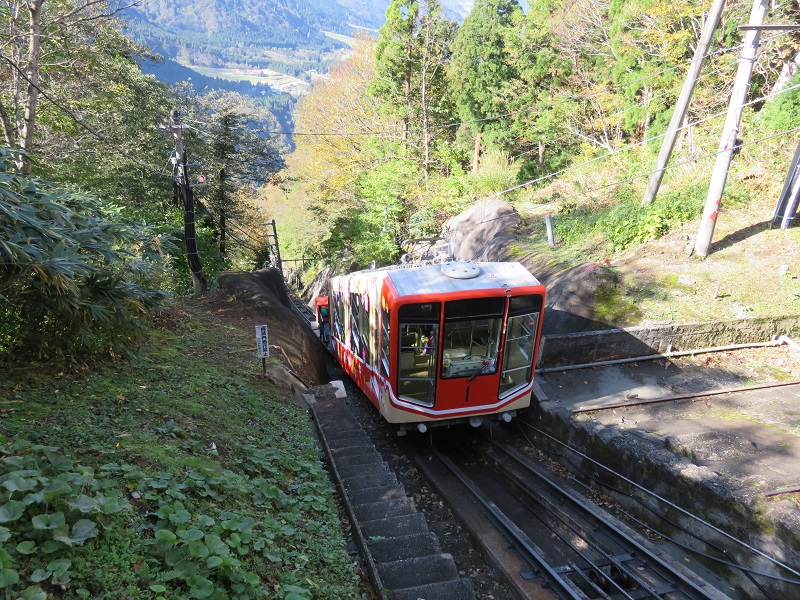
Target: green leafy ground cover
(173, 472)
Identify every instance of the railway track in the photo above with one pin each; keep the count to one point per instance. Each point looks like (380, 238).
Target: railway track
(565, 545)
(299, 306)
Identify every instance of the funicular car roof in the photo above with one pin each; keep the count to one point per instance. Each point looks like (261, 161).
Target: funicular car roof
(431, 279)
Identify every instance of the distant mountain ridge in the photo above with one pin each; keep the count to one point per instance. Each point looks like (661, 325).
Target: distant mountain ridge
(288, 36)
(216, 30)
(278, 23)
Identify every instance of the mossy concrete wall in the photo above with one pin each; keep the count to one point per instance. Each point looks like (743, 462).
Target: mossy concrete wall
(611, 344)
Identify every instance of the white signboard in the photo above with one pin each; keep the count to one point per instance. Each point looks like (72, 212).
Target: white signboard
(262, 341)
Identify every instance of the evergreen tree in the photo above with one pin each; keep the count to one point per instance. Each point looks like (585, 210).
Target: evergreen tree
(395, 57)
(436, 105)
(481, 71)
(410, 63)
(239, 154)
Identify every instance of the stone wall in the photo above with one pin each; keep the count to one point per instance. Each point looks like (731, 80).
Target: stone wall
(612, 344)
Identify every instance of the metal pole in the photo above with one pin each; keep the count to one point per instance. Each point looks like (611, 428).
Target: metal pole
(682, 105)
(731, 129)
(548, 221)
(277, 248)
(791, 207)
(784, 198)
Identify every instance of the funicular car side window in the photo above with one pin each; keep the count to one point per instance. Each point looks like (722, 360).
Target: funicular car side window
(338, 316)
(523, 324)
(418, 349)
(385, 341)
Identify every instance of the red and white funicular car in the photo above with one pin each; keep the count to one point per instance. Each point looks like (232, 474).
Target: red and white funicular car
(442, 343)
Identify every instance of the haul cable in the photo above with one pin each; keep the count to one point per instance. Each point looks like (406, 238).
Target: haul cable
(628, 540)
(520, 539)
(677, 508)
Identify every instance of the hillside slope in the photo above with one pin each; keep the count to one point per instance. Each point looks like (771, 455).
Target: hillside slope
(751, 271)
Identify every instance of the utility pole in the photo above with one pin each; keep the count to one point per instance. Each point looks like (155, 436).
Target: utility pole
(787, 202)
(730, 130)
(274, 245)
(184, 192)
(682, 105)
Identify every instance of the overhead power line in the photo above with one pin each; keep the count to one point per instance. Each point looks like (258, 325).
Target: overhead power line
(544, 106)
(643, 175)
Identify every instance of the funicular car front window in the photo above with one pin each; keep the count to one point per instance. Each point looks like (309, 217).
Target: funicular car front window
(471, 337)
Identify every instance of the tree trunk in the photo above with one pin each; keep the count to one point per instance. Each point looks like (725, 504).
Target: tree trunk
(407, 85)
(32, 93)
(8, 128)
(222, 199)
(787, 72)
(476, 155)
(426, 135)
(222, 229)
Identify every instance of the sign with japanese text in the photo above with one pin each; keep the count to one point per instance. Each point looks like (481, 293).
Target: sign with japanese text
(262, 341)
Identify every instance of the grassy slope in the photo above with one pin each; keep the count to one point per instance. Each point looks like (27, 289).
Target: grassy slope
(751, 269)
(186, 473)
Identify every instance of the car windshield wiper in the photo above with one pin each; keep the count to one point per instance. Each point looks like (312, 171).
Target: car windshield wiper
(486, 363)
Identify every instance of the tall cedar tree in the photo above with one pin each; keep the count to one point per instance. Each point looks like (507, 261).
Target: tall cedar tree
(481, 70)
(395, 56)
(436, 106)
(239, 154)
(410, 63)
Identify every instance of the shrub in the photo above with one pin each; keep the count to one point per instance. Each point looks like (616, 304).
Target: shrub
(75, 274)
(631, 223)
(783, 111)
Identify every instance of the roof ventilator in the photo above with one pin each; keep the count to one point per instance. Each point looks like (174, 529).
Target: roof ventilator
(461, 270)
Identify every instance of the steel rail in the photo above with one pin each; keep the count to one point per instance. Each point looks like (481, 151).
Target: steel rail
(626, 539)
(691, 396)
(515, 532)
(299, 306)
(666, 502)
(574, 530)
(775, 341)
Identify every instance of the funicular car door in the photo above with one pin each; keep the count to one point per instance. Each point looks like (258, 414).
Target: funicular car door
(470, 352)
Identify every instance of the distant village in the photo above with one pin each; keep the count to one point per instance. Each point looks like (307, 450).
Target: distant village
(280, 83)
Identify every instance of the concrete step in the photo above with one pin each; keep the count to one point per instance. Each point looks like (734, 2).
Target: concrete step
(343, 420)
(454, 589)
(395, 526)
(383, 477)
(356, 455)
(368, 511)
(416, 571)
(358, 468)
(404, 546)
(358, 440)
(330, 408)
(376, 493)
(334, 434)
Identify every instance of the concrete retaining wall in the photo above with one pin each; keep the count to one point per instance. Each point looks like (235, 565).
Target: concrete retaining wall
(610, 344)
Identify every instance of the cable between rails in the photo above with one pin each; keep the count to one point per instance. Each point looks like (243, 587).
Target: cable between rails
(681, 510)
